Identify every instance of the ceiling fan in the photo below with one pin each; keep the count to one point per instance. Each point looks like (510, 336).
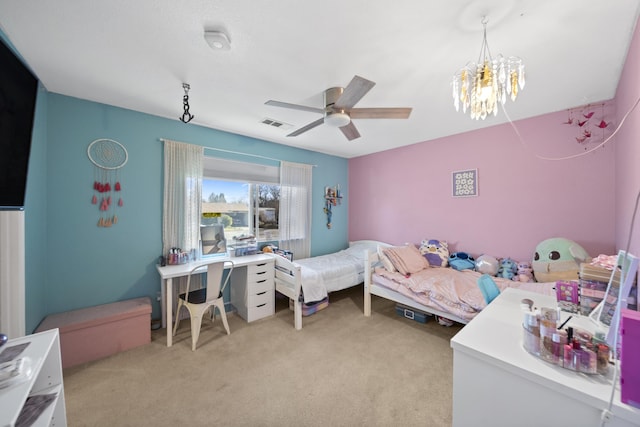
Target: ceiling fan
(338, 108)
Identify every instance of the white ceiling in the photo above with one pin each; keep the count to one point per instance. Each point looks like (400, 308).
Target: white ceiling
(136, 55)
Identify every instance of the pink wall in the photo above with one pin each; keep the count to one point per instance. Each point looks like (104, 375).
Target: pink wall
(628, 149)
(404, 195)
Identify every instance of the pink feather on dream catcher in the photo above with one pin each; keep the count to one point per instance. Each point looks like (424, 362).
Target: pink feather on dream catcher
(109, 157)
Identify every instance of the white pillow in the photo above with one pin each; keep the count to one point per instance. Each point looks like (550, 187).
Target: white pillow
(386, 262)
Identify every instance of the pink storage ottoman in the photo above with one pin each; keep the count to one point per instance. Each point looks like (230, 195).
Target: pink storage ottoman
(95, 332)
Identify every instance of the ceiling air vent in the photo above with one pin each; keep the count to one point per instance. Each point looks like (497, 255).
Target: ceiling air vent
(276, 123)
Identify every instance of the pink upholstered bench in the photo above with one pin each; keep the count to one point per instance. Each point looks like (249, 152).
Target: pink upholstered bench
(95, 332)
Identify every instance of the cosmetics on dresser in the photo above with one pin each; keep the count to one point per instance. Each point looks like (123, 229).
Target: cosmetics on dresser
(567, 360)
(559, 340)
(531, 332)
(602, 359)
(548, 324)
(588, 361)
(576, 355)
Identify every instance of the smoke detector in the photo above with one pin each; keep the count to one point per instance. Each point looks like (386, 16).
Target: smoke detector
(217, 40)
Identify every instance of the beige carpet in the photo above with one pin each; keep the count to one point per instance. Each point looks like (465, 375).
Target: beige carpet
(341, 369)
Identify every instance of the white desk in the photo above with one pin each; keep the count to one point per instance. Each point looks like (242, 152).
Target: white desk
(497, 383)
(168, 272)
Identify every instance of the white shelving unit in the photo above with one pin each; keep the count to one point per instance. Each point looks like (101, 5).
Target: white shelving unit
(43, 352)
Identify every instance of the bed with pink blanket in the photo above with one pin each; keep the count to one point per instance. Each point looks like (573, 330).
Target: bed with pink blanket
(441, 291)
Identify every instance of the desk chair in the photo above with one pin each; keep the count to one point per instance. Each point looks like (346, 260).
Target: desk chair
(198, 301)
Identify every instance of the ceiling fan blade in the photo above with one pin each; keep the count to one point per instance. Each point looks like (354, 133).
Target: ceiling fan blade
(294, 106)
(355, 90)
(350, 131)
(380, 113)
(307, 127)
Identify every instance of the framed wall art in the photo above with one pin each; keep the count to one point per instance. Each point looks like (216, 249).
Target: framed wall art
(465, 183)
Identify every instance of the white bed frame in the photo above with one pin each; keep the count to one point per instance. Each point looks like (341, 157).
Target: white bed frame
(370, 288)
(288, 281)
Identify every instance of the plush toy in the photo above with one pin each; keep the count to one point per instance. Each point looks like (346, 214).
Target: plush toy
(435, 251)
(524, 273)
(486, 264)
(507, 269)
(558, 259)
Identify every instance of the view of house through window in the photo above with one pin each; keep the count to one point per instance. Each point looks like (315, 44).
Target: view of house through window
(243, 208)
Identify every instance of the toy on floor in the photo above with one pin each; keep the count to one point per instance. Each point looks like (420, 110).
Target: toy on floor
(507, 269)
(558, 259)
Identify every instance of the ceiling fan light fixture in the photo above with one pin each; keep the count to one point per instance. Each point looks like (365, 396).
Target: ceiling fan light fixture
(217, 40)
(337, 119)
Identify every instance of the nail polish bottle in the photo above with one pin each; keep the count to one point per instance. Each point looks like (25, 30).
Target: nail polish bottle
(567, 360)
(577, 355)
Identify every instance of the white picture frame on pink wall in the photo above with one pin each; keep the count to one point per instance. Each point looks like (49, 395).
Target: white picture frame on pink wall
(464, 183)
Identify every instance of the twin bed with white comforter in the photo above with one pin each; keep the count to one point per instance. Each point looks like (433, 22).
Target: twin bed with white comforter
(310, 280)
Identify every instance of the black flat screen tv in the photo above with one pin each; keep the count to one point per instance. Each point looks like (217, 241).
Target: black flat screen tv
(18, 92)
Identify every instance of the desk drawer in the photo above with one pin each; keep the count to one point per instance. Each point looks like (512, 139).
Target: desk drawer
(262, 310)
(259, 299)
(260, 286)
(260, 270)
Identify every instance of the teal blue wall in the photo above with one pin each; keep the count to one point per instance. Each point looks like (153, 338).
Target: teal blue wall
(72, 262)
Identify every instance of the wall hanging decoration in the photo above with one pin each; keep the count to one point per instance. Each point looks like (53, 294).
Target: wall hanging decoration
(332, 197)
(186, 116)
(465, 183)
(109, 157)
(592, 123)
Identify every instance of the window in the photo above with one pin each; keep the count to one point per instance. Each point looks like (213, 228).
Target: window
(244, 197)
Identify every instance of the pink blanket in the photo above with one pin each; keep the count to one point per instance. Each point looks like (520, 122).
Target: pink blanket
(449, 290)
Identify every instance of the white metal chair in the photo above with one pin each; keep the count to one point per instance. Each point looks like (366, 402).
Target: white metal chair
(198, 301)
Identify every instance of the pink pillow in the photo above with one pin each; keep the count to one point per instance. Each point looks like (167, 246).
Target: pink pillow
(406, 259)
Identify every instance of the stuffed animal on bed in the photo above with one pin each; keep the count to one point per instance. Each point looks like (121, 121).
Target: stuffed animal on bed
(507, 269)
(524, 273)
(487, 264)
(558, 259)
(435, 251)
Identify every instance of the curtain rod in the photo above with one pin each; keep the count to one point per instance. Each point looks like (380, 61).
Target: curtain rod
(242, 154)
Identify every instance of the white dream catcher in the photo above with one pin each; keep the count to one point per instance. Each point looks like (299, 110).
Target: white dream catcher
(109, 157)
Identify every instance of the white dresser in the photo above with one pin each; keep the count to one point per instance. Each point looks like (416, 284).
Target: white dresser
(43, 354)
(253, 290)
(497, 383)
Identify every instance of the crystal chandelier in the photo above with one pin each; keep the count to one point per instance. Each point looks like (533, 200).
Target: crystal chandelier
(479, 86)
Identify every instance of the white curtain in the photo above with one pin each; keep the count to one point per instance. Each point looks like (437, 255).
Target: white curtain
(295, 208)
(182, 196)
